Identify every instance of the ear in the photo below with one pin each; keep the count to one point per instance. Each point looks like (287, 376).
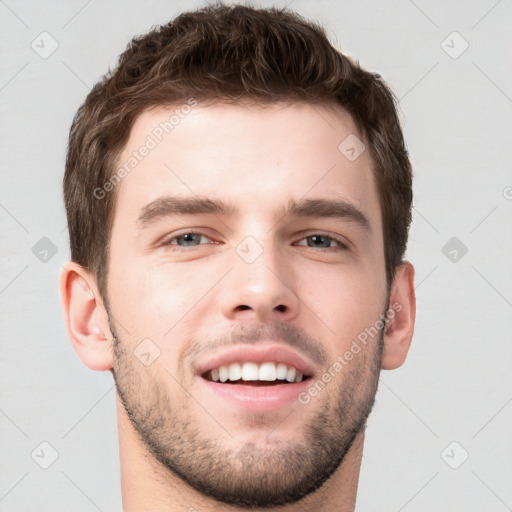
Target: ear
(400, 326)
(85, 317)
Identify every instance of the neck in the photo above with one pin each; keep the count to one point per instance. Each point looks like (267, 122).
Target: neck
(147, 485)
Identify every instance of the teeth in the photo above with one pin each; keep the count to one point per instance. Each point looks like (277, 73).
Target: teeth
(290, 374)
(268, 371)
(235, 371)
(281, 371)
(249, 371)
(223, 373)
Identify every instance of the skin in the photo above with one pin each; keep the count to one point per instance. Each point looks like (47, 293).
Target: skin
(183, 449)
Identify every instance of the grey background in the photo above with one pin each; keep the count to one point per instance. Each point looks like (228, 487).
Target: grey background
(456, 383)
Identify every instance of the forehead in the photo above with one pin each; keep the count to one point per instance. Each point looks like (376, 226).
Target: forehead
(257, 157)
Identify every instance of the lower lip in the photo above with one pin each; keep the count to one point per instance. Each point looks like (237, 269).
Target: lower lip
(257, 398)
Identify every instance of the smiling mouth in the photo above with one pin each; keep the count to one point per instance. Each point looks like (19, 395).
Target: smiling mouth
(264, 365)
(256, 383)
(252, 386)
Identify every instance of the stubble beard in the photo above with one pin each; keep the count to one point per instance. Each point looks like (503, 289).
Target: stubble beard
(252, 475)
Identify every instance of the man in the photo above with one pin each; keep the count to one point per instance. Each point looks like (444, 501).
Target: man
(238, 196)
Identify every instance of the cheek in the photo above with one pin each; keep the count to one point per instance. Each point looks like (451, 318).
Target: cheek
(159, 302)
(348, 304)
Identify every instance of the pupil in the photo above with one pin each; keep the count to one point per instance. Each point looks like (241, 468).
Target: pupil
(316, 238)
(188, 237)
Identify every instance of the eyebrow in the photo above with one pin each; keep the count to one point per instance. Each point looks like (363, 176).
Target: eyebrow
(168, 206)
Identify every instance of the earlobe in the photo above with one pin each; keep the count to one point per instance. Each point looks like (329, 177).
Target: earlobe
(85, 317)
(400, 326)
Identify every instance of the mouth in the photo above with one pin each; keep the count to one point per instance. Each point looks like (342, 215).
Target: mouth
(265, 384)
(255, 374)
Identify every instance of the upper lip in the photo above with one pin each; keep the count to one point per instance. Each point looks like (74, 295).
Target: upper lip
(257, 354)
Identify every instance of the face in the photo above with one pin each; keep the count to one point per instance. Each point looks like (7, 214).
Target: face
(246, 236)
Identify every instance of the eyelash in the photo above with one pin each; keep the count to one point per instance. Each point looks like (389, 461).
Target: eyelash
(168, 245)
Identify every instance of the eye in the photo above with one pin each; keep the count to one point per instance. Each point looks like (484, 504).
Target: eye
(322, 241)
(189, 239)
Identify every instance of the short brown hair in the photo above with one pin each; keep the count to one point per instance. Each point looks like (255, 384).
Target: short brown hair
(228, 54)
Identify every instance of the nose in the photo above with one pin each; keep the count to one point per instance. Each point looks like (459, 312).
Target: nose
(263, 290)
